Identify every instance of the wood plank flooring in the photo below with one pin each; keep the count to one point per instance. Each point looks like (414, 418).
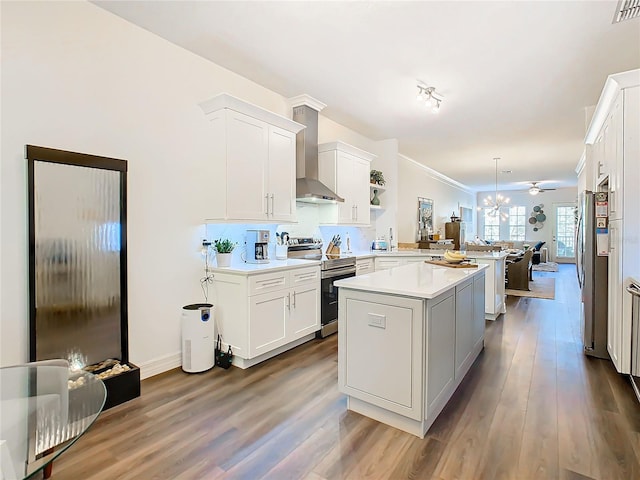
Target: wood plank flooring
(532, 407)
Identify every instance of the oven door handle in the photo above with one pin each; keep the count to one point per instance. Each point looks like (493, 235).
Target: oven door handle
(336, 272)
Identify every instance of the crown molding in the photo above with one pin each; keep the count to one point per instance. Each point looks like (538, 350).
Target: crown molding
(439, 176)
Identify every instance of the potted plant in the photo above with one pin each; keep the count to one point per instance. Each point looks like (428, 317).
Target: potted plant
(224, 248)
(376, 177)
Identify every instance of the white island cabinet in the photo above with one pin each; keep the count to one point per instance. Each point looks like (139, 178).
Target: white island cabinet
(264, 310)
(406, 338)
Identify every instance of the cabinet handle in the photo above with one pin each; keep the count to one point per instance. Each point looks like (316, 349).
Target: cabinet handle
(599, 169)
(266, 199)
(271, 283)
(294, 299)
(356, 212)
(612, 203)
(272, 201)
(306, 276)
(288, 301)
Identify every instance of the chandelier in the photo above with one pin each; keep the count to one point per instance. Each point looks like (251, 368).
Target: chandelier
(496, 203)
(429, 96)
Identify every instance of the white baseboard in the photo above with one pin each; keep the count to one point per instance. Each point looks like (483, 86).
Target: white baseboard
(160, 365)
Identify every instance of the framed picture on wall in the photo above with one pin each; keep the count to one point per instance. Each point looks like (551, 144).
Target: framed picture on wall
(425, 214)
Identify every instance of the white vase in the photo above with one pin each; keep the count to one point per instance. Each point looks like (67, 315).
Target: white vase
(224, 259)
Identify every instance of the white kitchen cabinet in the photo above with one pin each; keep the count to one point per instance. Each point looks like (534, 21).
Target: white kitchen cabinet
(253, 163)
(364, 266)
(304, 316)
(345, 170)
(268, 314)
(261, 314)
(616, 126)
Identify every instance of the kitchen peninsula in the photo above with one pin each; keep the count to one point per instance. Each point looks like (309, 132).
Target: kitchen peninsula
(406, 338)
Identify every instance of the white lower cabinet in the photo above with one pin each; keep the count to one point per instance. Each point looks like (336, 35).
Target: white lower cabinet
(260, 315)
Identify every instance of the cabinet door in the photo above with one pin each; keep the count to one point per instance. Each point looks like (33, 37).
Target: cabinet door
(614, 320)
(305, 311)
(281, 175)
(440, 356)
(344, 186)
(268, 314)
(360, 191)
(616, 160)
(479, 308)
(247, 153)
(464, 327)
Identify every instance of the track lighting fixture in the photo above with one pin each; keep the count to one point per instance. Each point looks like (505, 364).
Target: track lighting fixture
(429, 96)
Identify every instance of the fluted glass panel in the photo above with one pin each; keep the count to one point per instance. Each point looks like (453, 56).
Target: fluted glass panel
(77, 262)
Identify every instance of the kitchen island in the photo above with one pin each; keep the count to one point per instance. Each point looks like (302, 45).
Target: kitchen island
(406, 338)
(494, 298)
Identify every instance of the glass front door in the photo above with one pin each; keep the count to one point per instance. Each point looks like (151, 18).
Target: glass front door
(564, 234)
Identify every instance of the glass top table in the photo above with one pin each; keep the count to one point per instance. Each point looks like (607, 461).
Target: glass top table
(43, 411)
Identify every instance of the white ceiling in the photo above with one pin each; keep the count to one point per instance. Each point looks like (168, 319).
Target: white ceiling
(517, 77)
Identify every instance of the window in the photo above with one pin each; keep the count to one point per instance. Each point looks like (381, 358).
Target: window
(517, 220)
(491, 225)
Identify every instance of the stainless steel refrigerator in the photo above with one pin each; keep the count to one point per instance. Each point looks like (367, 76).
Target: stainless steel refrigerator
(592, 269)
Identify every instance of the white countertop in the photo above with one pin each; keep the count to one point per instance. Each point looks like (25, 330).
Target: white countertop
(437, 253)
(420, 280)
(242, 268)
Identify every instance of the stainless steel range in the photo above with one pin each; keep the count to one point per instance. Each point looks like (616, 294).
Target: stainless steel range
(332, 269)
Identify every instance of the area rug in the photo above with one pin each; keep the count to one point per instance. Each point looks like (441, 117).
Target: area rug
(541, 287)
(546, 267)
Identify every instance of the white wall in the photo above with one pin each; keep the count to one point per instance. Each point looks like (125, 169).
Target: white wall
(523, 198)
(415, 180)
(81, 79)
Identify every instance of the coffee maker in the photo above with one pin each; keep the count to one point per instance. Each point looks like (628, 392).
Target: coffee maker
(257, 246)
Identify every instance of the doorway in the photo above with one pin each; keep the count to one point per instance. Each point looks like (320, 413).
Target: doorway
(564, 232)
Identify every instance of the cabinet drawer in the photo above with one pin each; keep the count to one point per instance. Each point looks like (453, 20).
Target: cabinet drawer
(305, 275)
(387, 263)
(364, 266)
(268, 282)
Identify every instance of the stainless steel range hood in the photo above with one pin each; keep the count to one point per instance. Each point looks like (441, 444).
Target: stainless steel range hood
(308, 188)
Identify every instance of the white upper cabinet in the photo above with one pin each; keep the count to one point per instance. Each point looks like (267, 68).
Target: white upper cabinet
(345, 170)
(253, 163)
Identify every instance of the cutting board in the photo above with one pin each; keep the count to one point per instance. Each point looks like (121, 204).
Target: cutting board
(444, 263)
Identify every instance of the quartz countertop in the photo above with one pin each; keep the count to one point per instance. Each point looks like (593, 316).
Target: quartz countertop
(420, 280)
(243, 268)
(436, 253)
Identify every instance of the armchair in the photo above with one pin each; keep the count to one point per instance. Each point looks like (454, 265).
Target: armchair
(518, 272)
(535, 259)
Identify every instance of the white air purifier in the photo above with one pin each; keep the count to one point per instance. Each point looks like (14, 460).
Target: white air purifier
(198, 337)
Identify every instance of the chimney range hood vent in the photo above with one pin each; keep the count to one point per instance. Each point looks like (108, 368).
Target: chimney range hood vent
(308, 188)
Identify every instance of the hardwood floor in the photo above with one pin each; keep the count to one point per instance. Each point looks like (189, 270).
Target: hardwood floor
(532, 407)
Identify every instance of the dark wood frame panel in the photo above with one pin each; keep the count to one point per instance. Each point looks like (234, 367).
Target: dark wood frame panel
(44, 154)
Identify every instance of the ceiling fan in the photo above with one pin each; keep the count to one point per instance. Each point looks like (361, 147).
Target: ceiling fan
(535, 189)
